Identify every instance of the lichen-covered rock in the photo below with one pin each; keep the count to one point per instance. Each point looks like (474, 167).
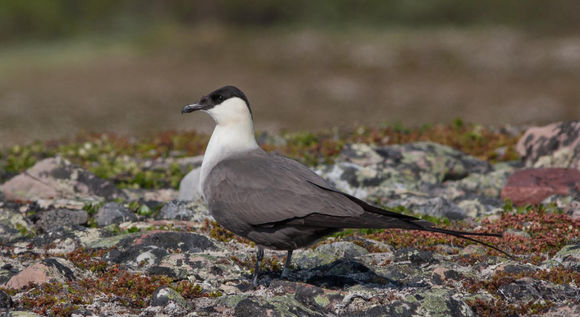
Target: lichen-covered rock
(5, 300)
(553, 145)
(424, 177)
(568, 257)
(53, 220)
(327, 253)
(111, 213)
(145, 251)
(54, 178)
(439, 302)
(170, 302)
(13, 225)
(184, 210)
(275, 306)
(50, 269)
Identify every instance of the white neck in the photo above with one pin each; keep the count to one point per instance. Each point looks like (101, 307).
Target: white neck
(232, 134)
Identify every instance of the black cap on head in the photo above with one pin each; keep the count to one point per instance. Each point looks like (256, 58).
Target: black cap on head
(216, 97)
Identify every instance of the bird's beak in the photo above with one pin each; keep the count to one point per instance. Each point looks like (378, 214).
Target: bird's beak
(192, 108)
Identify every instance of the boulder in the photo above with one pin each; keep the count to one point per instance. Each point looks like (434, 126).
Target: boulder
(52, 220)
(113, 213)
(553, 145)
(55, 178)
(532, 186)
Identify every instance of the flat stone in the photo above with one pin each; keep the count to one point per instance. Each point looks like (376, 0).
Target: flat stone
(184, 210)
(53, 220)
(42, 272)
(531, 186)
(113, 213)
(54, 178)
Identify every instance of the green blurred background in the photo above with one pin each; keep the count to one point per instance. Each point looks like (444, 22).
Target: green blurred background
(128, 66)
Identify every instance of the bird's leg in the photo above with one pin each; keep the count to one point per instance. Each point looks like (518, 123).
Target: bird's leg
(287, 264)
(259, 258)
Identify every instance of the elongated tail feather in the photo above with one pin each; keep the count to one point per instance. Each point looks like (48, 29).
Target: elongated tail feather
(420, 224)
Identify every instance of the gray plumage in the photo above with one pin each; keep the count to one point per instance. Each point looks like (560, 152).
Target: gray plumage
(281, 204)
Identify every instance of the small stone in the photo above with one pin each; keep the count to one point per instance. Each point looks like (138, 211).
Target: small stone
(183, 210)
(414, 256)
(53, 220)
(5, 300)
(327, 253)
(531, 186)
(113, 213)
(164, 295)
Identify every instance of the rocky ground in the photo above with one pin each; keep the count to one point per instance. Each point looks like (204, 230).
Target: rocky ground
(94, 226)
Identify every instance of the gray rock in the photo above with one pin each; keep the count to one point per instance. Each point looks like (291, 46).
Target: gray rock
(53, 220)
(569, 257)
(327, 253)
(529, 289)
(5, 300)
(184, 210)
(275, 306)
(189, 187)
(439, 302)
(54, 178)
(113, 213)
(13, 225)
(164, 296)
(553, 145)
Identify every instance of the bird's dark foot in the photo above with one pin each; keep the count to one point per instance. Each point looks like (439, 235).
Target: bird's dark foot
(259, 257)
(286, 269)
(284, 274)
(255, 281)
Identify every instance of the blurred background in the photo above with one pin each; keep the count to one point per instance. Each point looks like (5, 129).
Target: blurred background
(129, 66)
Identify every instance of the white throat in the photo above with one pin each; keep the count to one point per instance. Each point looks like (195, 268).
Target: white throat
(233, 133)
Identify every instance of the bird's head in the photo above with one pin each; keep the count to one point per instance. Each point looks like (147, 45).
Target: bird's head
(227, 105)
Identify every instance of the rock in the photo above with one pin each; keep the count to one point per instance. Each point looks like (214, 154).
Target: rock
(529, 289)
(275, 306)
(54, 178)
(531, 186)
(113, 213)
(439, 302)
(184, 210)
(189, 187)
(5, 300)
(49, 269)
(53, 220)
(563, 311)
(144, 252)
(554, 145)
(327, 253)
(414, 256)
(13, 225)
(432, 206)
(165, 296)
(341, 273)
(569, 257)
(406, 166)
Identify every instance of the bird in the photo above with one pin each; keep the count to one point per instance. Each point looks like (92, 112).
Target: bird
(275, 201)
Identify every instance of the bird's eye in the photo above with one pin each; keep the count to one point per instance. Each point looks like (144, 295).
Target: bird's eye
(220, 98)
